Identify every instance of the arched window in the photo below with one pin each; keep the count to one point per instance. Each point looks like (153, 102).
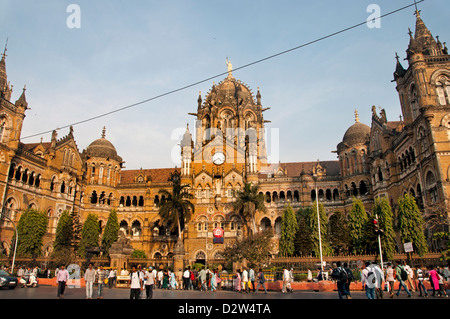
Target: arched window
(94, 197)
(363, 188)
(3, 129)
(413, 101)
(443, 90)
(431, 187)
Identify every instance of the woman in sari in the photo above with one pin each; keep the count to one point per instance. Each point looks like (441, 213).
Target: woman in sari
(165, 283)
(173, 280)
(237, 281)
(213, 280)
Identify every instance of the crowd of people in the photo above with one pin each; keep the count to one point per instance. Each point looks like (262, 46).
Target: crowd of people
(376, 281)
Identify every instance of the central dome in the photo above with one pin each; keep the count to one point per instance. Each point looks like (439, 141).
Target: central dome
(357, 133)
(103, 148)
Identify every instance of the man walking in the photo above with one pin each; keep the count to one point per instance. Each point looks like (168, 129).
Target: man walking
(420, 285)
(251, 274)
(261, 281)
(149, 282)
(186, 278)
(410, 276)
(286, 278)
(402, 276)
(379, 280)
(341, 277)
(245, 280)
(202, 279)
(135, 284)
(89, 277)
(101, 276)
(368, 280)
(61, 279)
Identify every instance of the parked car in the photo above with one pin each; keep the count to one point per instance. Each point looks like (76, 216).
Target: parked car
(8, 280)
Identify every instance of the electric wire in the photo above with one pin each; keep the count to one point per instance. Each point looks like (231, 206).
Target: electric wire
(224, 73)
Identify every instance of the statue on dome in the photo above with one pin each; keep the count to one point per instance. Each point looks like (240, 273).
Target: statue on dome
(230, 68)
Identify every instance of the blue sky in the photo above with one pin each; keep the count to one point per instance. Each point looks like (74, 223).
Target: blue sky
(125, 52)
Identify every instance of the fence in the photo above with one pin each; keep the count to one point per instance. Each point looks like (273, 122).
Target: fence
(299, 264)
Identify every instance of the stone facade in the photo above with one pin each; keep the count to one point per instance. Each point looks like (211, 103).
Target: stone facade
(387, 159)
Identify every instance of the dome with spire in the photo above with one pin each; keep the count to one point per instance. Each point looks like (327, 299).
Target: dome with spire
(103, 148)
(358, 133)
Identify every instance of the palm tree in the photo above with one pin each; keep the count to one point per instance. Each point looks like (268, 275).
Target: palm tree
(248, 202)
(176, 210)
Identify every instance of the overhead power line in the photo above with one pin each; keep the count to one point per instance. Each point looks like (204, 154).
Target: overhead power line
(224, 73)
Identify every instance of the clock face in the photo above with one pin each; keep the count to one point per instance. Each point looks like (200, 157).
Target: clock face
(218, 158)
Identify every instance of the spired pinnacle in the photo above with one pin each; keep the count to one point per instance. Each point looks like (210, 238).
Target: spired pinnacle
(356, 116)
(104, 132)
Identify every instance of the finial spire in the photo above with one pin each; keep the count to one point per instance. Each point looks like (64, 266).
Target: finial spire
(417, 12)
(6, 49)
(356, 116)
(104, 132)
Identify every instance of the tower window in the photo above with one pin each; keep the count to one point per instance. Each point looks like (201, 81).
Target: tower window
(443, 90)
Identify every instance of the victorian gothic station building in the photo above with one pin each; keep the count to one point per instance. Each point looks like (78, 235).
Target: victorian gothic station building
(385, 159)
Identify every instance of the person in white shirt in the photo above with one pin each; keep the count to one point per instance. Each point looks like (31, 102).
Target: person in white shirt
(286, 278)
(186, 277)
(160, 278)
(410, 277)
(245, 280)
(149, 282)
(421, 286)
(379, 280)
(368, 280)
(135, 284)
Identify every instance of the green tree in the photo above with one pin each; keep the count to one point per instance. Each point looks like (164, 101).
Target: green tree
(137, 253)
(64, 232)
(338, 232)
(314, 227)
(248, 202)
(255, 248)
(177, 209)
(111, 231)
(303, 239)
(31, 229)
(68, 232)
(357, 223)
(89, 234)
(385, 219)
(289, 229)
(410, 224)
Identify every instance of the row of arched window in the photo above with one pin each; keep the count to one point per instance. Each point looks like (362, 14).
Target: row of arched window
(282, 196)
(407, 159)
(327, 194)
(135, 201)
(24, 175)
(360, 190)
(101, 198)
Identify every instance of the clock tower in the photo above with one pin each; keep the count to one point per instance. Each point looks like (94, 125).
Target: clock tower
(229, 136)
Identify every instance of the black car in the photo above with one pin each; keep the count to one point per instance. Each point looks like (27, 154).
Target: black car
(8, 280)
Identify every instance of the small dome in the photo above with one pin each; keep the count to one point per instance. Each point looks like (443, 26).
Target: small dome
(357, 133)
(102, 148)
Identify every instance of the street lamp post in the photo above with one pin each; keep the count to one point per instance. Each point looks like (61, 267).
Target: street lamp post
(17, 237)
(318, 223)
(379, 245)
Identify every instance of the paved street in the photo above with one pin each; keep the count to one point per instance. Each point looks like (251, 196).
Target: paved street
(47, 292)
